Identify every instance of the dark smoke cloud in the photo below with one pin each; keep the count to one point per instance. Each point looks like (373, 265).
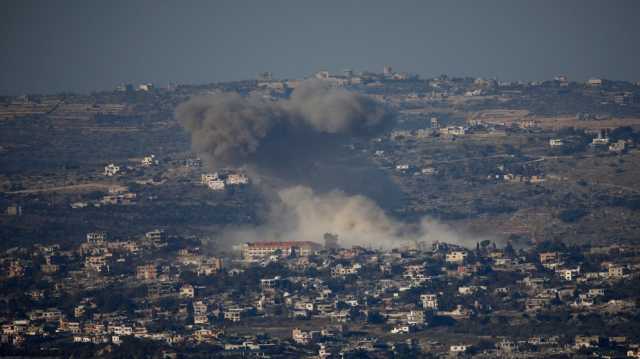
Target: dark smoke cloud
(231, 130)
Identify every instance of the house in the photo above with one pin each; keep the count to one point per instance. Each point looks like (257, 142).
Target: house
(586, 341)
(600, 141)
(458, 313)
(568, 274)
(304, 337)
(402, 329)
(469, 290)
(341, 271)
(187, 291)
(416, 317)
(594, 82)
(200, 313)
(213, 181)
(596, 292)
(536, 303)
(458, 348)
(556, 142)
(111, 170)
(616, 272)
(146, 272)
(235, 314)
(251, 251)
(271, 283)
(546, 257)
(453, 131)
(456, 257)
(236, 179)
(619, 147)
(216, 185)
(149, 161)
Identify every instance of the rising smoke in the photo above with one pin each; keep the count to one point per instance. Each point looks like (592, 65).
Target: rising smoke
(231, 130)
(305, 215)
(300, 141)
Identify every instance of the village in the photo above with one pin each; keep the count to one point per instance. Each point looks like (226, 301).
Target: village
(318, 299)
(113, 244)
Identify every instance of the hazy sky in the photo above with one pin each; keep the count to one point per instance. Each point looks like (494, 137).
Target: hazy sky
(51, 46)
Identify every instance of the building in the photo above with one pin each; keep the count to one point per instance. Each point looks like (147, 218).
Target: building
(429, 301)
(16, 270)
(210, 266)
(453, 131)
(147, 272)
(435, 124)
(387, 71)
(157, 235)
(235, 314)
(255, 250)
(456, 257)
(96, 238)
(187, 291)
(415, 317)
(618, 147)
(271, 283)
(200, 313)
(586, 341)
(193, 163)
(600, 140)
(304, 337)
(145, 87)
(111, 170)
(237, 179)
(149, 161)
(458, 348)
(206, 177)
(616, 272)
(556, 142)
(546, 257)
(594, 82)
(14, 210)
(216, 185)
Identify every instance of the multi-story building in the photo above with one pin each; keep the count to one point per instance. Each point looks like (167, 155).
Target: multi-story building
(200, 313)
(147, 272)
(264, 249)
(429, 301)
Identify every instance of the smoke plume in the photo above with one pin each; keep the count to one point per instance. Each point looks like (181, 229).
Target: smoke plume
(303, 214)
(300, 141)
(231, 130)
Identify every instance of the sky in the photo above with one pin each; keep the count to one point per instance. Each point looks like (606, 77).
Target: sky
(83, 46)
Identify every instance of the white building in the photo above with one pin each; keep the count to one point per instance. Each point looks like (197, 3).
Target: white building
(429, 301)
(149, 161)
(111, 170)
(453, 131)
(237, 179)
(600, 141)
(556, 142)
(216, 185)
(200, 313)
(594, 82)
(458, 348)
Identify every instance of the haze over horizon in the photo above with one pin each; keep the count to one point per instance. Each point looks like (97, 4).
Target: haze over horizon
(78, 46)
